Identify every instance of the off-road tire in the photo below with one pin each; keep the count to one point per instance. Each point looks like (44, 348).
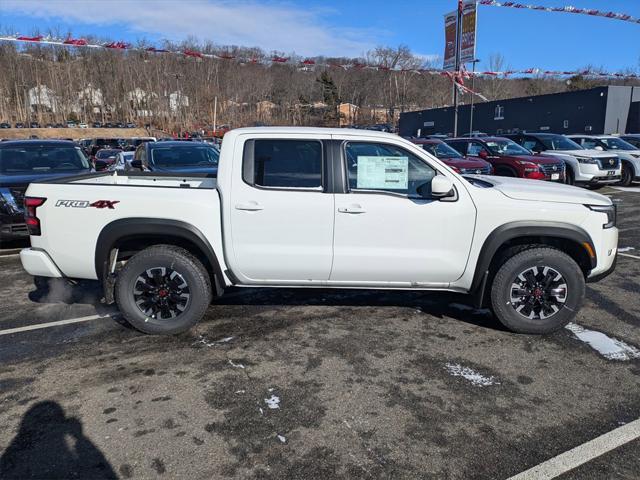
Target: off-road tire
(627, 175)
(537, 257)
(178, 260)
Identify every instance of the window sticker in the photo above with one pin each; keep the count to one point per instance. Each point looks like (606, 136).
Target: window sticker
(383, 172)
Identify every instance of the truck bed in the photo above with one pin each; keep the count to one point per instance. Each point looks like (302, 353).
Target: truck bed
(142, 179)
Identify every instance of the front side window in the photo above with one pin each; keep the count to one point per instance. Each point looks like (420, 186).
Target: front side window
(475, 149)
(387, 168)
(185, 156)
(559, 142)
(285, 164)
(616, 144)
(441, 150)
(507, 147)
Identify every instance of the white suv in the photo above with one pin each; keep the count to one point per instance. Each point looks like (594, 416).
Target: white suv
(592, 168)
(628, 153)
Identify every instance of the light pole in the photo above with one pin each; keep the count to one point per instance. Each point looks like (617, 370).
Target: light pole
(473, 85)
(457, 68)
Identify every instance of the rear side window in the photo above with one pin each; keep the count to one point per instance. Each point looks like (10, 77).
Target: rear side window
(283, 163)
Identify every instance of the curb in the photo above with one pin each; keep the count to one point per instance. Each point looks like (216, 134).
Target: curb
(9, 251)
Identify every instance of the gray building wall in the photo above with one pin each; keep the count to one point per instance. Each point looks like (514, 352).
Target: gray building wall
(596, 110)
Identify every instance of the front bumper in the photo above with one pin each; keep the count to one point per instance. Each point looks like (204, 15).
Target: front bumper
(38, 263)
(606, 255)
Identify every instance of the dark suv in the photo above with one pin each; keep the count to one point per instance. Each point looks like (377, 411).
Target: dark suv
(172, 156)
(510, 159)
(24, 161)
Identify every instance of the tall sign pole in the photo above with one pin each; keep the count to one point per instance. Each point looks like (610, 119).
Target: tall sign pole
(457, 68)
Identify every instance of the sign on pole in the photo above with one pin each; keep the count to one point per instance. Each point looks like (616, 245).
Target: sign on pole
(468, 37)
(450, 23)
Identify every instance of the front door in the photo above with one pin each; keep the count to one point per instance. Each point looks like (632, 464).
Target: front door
(281, 218)
(387, 229)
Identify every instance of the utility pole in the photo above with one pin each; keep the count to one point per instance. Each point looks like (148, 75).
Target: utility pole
(457, 68)
(473, 85)
(177, 76)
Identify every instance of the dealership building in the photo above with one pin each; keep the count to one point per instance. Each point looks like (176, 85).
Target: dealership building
(612, 109)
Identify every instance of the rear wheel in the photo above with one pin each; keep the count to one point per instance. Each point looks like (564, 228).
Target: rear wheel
(569, 177)
(163, 290)
(538, 290)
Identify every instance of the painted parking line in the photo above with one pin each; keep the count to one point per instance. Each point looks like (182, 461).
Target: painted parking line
(38, 326)
(628, 255)
(582, 454)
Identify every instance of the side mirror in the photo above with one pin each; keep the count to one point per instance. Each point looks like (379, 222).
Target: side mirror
(483, 154)
(100, 165)
(442, 187)
(137, 164)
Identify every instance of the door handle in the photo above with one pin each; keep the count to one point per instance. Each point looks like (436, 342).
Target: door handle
(250, 206)
(352, 209)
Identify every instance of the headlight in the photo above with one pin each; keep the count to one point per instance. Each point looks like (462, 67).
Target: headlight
(7, 202)
(610, 210)
(591, 161)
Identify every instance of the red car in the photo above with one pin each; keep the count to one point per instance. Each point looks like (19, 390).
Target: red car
(452, 158)
(105, 159)
(510, 159)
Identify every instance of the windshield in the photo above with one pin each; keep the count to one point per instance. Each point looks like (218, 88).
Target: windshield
(185, 156)
(107, 153)
(506, 147)
(441, 150)
(617, 144)
(41, 159)
(559, 142)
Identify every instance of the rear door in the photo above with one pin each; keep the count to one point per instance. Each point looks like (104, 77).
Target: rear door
(282, 216)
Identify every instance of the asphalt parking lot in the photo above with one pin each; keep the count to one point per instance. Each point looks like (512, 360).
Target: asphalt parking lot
(290, 384)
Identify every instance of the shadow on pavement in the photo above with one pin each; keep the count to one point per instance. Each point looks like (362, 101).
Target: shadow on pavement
(437, 304)
(51, 445)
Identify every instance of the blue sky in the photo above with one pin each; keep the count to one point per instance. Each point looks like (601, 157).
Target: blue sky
(334, 27)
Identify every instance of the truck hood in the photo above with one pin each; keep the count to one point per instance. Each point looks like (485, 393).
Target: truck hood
(580, 153)
(24, 179)
(541, 191)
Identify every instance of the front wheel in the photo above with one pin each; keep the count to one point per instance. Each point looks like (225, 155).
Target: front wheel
(163, 290)
(538, 290)
(627, 175)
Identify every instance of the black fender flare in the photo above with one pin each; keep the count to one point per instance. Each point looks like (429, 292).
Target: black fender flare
(512, 230)
(136, 226)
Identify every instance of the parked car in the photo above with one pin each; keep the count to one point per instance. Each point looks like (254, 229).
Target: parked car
(454, 159)
(183, 157)
(25, 161)
(130, 125)
(107, 125)
(123, 161)
(59, 125)
(71, 125)
(5, 125)
(282, 213)
(626, 152)
(83, 125)
(48, 125)
(118, 125)
(632, 138)
(100, 143)
(34, 125)
(96, 125)
(583, 167)
(510, 159)
(105, 159)
(19, 125)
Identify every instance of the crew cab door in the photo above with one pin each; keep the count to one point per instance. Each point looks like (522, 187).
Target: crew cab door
(386, 232)
(281, 217)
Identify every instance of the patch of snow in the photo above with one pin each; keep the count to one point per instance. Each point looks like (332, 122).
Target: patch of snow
(625, 249)
(239, 392)
(281, 438)
(212, 343)
(471, 375)
(609, 348)
(261, 411)
(235, 365)
(272, 402)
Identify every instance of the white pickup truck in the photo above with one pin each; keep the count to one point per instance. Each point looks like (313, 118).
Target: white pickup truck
(312, 207)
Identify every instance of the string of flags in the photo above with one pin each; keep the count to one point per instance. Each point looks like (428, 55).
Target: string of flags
(568, 9)
(311, 62)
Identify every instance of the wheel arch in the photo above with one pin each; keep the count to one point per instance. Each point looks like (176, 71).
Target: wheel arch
(135, 234)
(571, 239)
